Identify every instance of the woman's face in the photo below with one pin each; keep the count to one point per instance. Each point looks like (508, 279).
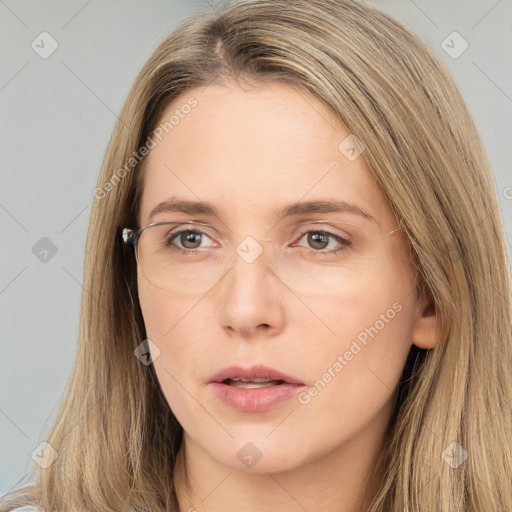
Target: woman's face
(338, 325)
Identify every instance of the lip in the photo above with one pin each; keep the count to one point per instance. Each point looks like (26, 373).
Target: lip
(256, 399)
(253, 372)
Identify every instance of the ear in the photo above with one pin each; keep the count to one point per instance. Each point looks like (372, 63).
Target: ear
(426, 332)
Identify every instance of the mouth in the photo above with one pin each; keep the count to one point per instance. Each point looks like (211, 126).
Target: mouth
(254, 389)
(255, 376)
(239, 382)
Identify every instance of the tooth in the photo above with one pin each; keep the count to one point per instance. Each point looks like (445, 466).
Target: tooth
(253, 385)
(243, 379)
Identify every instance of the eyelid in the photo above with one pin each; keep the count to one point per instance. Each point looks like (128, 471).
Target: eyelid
(329, 227)
(202, 226)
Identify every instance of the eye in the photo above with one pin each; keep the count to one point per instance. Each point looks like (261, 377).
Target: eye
(321, 240)
(189, 239)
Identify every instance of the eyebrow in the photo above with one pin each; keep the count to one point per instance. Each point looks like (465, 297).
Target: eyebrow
(174, 204)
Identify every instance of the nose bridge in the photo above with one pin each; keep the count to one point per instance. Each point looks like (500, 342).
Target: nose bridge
(250, 253)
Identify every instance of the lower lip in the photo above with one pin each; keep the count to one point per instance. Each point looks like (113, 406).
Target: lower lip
(255, 399)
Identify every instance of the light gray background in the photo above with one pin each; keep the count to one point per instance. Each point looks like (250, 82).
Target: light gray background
(57, 115)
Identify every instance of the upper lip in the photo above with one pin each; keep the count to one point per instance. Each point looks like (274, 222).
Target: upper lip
(253, 372)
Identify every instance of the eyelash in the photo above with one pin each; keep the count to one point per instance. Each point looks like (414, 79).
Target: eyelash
(345, 243)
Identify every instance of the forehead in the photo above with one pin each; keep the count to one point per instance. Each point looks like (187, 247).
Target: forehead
(253, 150)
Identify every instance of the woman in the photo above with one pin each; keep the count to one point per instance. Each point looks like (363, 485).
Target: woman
(296, 286)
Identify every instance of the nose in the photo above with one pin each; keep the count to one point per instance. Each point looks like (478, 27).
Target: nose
(250, 296)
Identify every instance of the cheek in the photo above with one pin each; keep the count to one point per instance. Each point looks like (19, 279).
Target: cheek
(165, 313)
(375, 301)
(172, 325)
(355, 370)
(169, 321)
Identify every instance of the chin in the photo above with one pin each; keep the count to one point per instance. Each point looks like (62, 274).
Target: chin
(258, 456)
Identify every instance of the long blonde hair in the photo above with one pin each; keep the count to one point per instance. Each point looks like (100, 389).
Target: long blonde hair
(115, 435)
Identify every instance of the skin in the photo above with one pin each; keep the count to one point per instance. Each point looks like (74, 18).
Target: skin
(250, 150)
